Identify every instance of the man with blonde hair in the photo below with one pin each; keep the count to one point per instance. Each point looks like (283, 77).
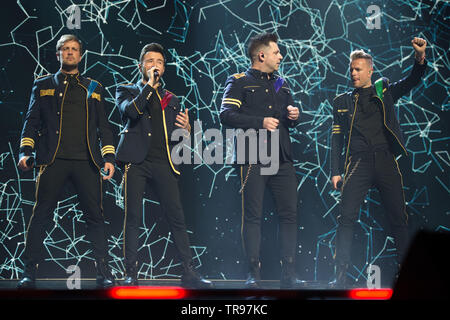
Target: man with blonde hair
(365, 123)
(64, 124)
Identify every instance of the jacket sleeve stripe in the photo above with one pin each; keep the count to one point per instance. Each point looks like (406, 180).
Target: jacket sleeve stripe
(27, 142)
(108, 149)
(230, 102)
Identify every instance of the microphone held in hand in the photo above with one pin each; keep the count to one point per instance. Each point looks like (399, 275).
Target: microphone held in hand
(30, 161)
(156, 73)
(339, 184)
(103, 172)
(277, 114)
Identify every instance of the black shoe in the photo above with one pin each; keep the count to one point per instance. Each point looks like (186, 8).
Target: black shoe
(340, 282)
(254, 274)
(252, 282)
(104, 278)
(289, 278)
(191, 279)
(26, 283)
(397, 273)
(28, 280)
(131, 277)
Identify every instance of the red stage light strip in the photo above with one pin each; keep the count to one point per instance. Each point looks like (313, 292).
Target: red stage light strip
(370, 294)
(143, 292)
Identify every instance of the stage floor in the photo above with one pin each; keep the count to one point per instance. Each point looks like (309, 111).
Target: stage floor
(89, 283)
(57, 289)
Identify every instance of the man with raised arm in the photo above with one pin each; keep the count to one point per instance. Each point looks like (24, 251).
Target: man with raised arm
(366, 128)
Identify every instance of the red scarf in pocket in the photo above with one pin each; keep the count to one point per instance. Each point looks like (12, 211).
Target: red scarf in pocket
(166, 99)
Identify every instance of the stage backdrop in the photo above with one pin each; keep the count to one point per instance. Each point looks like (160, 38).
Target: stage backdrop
(206, 42)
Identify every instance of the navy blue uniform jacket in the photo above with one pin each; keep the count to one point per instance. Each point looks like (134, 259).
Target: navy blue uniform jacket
(42, 127)
(344, 110)
(135, 138)
(250, 97)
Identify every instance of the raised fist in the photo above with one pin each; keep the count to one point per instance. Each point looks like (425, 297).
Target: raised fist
(419, 46)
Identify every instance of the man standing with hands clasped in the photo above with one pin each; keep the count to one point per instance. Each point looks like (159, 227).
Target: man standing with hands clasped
(150, 114)
(260, 101)
(365, 123)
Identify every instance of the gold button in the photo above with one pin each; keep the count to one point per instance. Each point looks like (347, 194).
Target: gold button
(60, 94)
(149, 117)
(149, 134)
(57, 132)
(270, 107)
(253, 90)
(267, 90)
(126, 130)
(65, 82)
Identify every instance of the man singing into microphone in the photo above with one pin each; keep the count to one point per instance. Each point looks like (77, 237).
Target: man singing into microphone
(365, 123)
(260, 100)
(150, 114)
(65, 122)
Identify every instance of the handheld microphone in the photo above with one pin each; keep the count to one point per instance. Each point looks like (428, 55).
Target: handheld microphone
(156, 73)
(103, 172)
(339, 184)
(30, 161)
(277, 114)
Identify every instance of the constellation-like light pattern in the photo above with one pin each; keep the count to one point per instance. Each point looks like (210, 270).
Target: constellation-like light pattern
(66, 242)
(206, 43)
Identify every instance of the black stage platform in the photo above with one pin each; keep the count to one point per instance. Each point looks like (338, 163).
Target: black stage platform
(224, 289)
(229, 300)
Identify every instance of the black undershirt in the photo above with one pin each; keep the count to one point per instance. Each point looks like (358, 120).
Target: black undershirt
(158, 150)
(73, 144)
(369, 130)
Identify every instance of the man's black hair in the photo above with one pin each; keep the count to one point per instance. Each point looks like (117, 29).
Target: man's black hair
(258, 41)
(152, 47)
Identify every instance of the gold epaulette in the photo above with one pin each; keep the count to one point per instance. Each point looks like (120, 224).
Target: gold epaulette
(45, 75)
(239, 75)
(339, 95)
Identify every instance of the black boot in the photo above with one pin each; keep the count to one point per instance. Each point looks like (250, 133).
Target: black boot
(397, 269)
(104, 278)
(340, 282)
(254, 274)
(191, 279)
(28, 276)
(131, 276)
(289, 278)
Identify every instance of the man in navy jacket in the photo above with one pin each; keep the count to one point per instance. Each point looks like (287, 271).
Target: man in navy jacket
(259, 101)
(366, 128)
(150, 114)
(64, 124)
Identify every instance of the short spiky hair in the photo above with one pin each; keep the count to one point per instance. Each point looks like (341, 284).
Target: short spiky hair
(258, 41)
(152, 47)
(360, 54)
(68, 37)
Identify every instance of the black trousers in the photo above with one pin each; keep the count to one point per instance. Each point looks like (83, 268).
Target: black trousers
(87, 181)
(165, 184)
(283, 186)
(364, 170)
